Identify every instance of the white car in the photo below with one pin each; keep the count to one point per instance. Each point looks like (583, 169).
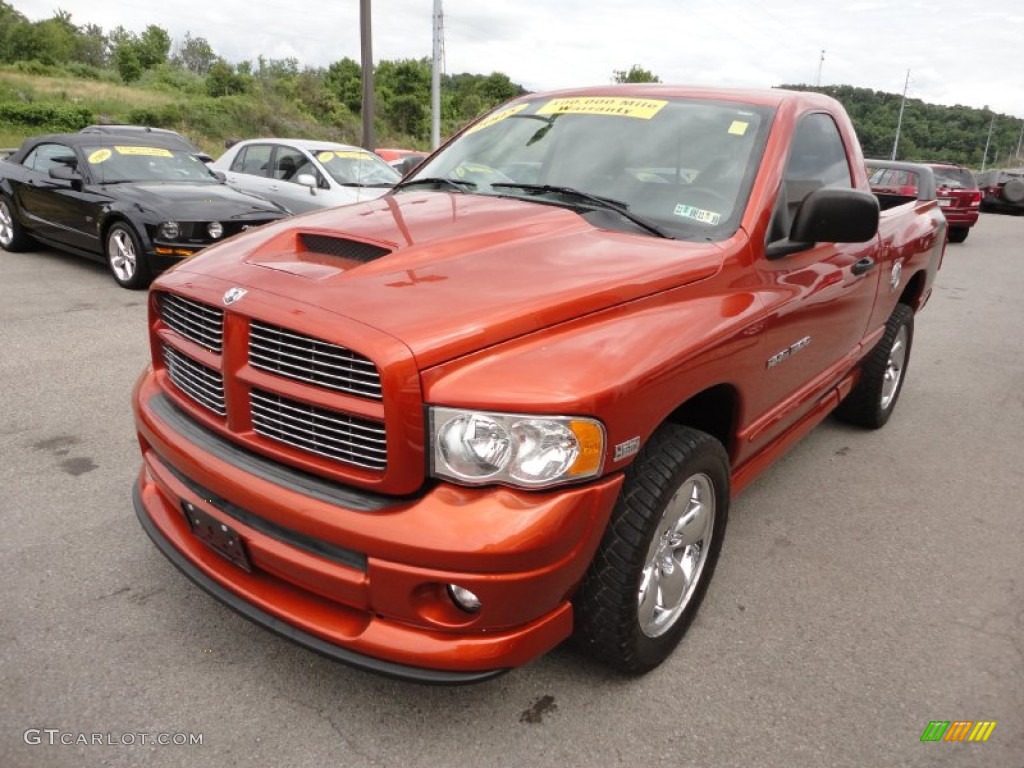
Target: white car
(304, 175)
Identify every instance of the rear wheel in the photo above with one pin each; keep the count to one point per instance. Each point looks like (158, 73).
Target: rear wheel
(658, 554)
(872, 401)
(12, 235)
(958, 234)
(128, 264)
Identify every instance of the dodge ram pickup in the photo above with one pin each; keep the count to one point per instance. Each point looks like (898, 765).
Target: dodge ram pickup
(436, 434)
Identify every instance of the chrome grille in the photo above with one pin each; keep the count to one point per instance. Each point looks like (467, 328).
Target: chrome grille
(194, 320)
(202, 384)
(301, 357)
(349, 439)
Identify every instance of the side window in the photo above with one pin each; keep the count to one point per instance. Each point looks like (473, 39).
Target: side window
(817, 158)
(253, 160)
(287, 164)
(46, 156)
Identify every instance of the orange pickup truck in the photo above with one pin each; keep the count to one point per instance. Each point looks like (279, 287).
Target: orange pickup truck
(436, 434)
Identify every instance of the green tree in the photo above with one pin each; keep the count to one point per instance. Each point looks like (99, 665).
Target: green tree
(152, 46)
(345, 80)
(126, 59)
(223, 80)
(195, 55)
(636, 74)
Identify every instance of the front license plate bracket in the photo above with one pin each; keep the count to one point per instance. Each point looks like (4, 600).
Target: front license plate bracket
(221, 538)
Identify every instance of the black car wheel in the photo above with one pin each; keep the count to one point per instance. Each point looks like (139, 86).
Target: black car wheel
(128, 264)
(12, 235)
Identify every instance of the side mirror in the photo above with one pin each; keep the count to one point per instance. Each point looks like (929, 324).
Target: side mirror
(830, 215)
(221, 176)
(307, 180)
(64, 173)
(409, 163)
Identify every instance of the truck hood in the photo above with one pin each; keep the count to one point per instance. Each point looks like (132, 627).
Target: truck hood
(448, 274)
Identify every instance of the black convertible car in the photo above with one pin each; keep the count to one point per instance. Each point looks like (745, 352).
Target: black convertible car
(139, 203)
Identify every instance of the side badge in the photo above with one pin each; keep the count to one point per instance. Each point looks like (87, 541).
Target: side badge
(897, 273)
(627, 449)
(233, 295)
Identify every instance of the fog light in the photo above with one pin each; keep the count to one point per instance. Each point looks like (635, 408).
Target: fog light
(463, 598)
(215, 230)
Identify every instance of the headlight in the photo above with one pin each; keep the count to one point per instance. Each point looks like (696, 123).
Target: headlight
(169, 230)
(479, 447)
(215, 230)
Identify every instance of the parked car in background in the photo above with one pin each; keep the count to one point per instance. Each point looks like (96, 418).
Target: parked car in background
(140, 203)
(304, 175)
(402, 160)
(172, 138)
(959, 198)
(1002, 189)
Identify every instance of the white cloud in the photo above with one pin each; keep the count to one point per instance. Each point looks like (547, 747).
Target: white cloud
(957, 53)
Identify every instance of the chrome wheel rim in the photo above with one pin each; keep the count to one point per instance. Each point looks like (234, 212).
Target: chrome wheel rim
(676, 556)
(121, 252)
(6, 225)
(894, 368)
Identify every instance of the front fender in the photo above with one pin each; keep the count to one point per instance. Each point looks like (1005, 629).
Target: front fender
(630, 366)
(126, 212)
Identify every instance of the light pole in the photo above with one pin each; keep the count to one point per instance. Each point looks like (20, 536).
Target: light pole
(435, 83)
(991, 125)
(899, 120)
(366, 43)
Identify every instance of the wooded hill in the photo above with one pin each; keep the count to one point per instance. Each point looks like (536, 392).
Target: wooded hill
(56, 75)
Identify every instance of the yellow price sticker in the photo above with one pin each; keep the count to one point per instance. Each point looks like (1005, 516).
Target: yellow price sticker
(739, 127)
(325, 157)
(497, 117)
(643, 109)
(99, 156)
(145, 151)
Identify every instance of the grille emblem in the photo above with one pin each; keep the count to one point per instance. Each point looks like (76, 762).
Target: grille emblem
(233, 295)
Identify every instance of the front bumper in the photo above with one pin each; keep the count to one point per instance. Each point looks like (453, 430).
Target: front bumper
(361, 577)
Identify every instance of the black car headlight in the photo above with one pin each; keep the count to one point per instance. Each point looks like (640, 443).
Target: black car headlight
(527, 451)
(169, 230)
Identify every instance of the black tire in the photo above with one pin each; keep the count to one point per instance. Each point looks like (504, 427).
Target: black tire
(883, 372)
(13, 237)
(127, 262)
(958, 234)
(611, 607)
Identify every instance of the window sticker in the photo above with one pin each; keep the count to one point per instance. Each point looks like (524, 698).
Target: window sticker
(146, 151)
(497, 117)
(698, 214)
(738, 127)
(325, 157)
(643, 109)
(99, 156)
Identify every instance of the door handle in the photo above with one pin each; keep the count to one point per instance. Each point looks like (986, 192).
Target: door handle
(864, 265)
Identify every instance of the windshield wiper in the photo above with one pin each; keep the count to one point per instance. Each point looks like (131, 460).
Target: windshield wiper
(458, 184)
(366, 184)
(595, 201)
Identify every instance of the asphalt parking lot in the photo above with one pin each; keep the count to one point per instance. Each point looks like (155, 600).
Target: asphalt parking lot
(870, 582)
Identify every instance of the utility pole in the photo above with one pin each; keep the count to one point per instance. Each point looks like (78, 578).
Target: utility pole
(899, 121)
(366, 42)
(1020, 140)
(435, 84)
(991, 126)
(821, 63)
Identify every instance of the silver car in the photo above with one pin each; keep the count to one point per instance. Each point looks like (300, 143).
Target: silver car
(304, 175)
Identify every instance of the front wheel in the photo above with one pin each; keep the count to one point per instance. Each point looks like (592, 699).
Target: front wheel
(13, 237)
(873, 399)
(128, 264)
(657, 556)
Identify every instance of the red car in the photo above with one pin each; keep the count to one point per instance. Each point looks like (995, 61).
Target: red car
(959, 198)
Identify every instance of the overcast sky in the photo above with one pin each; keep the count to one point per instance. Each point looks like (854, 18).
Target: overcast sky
(969, 53)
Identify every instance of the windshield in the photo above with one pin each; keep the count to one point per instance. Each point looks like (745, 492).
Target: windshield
(954, 178)
(120, 163)
(359, 168)
(684, 167)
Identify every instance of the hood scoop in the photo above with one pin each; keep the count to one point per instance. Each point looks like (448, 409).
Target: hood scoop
(353, 250)
(315, 255)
